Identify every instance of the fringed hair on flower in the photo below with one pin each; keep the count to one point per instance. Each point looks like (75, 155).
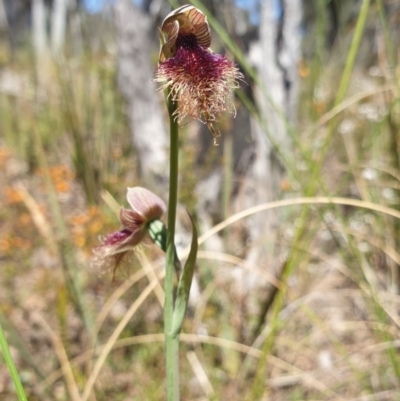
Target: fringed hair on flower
(115, 247)
(199, 80)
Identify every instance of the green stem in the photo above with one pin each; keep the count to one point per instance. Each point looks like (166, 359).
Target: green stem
(11, 367)
(171, 341)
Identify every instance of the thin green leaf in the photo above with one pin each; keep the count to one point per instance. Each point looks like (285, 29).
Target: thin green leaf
(184, 285)
(11, 366)
(17, 342)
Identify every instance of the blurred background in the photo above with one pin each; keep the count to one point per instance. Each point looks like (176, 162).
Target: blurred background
(295, 300)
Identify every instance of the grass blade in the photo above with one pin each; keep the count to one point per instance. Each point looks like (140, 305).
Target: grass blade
(11, 366)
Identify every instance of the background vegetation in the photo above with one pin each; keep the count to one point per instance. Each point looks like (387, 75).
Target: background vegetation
(330, 332)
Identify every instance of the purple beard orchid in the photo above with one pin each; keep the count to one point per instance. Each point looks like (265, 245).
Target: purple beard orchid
(145, 208)
(199, 80)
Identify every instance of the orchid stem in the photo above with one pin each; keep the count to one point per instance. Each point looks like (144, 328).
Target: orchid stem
(171, 341)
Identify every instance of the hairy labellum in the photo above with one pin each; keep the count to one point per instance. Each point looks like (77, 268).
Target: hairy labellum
(145, 207)
(199, 80)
